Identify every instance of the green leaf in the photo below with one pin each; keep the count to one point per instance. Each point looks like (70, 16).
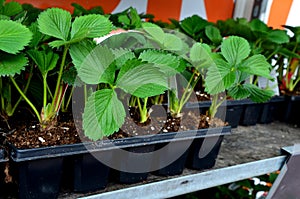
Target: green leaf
(193, 24)
(167, 63)
(287, 53)
(238, 92)
(12, 64)
(45, 61)
(124, 19)
(90, 26)
(278, 36)
(257, 94)
(97, 66)
(4, 17)
(30, 14)
(219, 77)
(79, 10)
(79, 51)
(256, 65)
(103, 114)
(11, 8)
(55, 22)
(134, 76)
(235, 49)
(166, 41)
(13, 36)
(38, 37)
(135, 18)
(128, 65)
(258, 25)
(213, 34)
(36, 91)
(70, 77)
(154, 31)
(200, 56)
(147, 90)
(171, 42)
(122, 56)
(58, 43)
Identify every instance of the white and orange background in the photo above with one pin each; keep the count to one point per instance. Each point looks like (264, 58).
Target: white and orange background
(279, 12)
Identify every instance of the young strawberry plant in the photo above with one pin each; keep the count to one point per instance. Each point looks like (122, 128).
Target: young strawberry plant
(289, 73)
(127, 19)
(177, 44)
(64, 33)
(104, 113)
(14, 38)
(231, 70)
(141, 73)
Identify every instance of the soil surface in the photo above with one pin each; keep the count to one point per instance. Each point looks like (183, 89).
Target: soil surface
(32, 135)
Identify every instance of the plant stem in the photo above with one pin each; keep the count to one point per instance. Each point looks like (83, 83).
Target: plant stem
(213, 106)
(49, 91)
(2, 103)
(187, 92)
(213, 109)
(143, 110)
(26, 99)
(295, 84)
(45, 91)
(24, 91)
(1, 96)
(271, 55)
(58, 83)
(65, 108)
(132, 101)
(85, 93)
(58, 99)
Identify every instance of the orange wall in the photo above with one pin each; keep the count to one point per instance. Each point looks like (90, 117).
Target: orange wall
(166, 9)
(162, 9)
(219, 9)
(107, 5)
(279, 13)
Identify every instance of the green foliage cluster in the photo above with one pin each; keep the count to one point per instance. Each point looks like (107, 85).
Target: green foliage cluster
(45, 55)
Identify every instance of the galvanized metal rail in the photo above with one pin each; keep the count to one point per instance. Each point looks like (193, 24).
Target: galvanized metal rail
(195, 182)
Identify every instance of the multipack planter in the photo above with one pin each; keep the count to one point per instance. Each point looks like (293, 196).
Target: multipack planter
(124, 177)
(176, 167)
(43, 172)
(36, 172)
(87, 172)
(231, 111)
(271, 110)
(196, 159)
(39, 172)
(251, 113)
(288, 112)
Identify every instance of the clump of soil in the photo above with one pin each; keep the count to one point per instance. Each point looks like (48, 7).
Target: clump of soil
(31, 136)
(202, 96)
(285, 92)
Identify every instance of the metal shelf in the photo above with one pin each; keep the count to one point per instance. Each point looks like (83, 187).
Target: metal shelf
(195, 182)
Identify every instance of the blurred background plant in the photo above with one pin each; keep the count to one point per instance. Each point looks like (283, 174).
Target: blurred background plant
(252, 188)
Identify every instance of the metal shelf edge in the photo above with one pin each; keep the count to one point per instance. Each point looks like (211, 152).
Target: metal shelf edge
(195, 182)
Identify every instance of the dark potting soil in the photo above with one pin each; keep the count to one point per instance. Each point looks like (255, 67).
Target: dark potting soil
(30, 135)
